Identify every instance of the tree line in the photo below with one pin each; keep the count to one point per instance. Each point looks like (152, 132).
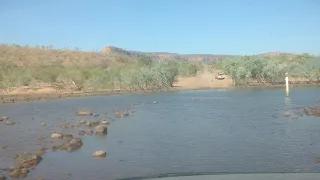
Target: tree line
(267, 69)
(140, 74)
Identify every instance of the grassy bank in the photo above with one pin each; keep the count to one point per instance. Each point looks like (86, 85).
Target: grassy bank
(117, 73)
(301, 69)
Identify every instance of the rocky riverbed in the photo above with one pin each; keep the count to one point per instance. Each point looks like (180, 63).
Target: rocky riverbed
(54, 141)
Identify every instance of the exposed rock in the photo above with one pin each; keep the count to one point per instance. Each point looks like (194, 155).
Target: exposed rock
(40, 153)
(18, 172)
(67, 136)
(3, 118)
(27, 160)
(55, 135)
(121, 114)
(89, 132)
(287, 114)
(101, 129)
(92, 123)
(72, 145)
(84, 113)
(99, 154)
(312, 111)
(105, 122)
(43, 124)
(10, 123)
(95, 114)
(56, 147)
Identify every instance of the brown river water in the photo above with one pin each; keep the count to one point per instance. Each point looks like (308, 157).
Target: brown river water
(207, 131)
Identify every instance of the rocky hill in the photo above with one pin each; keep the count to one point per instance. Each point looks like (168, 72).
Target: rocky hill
(162, 56)
(24, 55)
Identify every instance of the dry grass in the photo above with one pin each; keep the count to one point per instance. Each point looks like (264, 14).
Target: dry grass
(30, 56)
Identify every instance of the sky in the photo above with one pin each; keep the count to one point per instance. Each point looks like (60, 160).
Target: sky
(236, 27)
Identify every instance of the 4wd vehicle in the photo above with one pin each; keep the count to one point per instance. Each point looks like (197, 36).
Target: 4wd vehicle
(220, 76)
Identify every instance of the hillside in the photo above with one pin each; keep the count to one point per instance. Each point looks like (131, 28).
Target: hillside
(23, 55)
(183, 57)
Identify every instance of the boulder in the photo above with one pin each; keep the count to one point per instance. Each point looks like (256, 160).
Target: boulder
(67, 136)
(92, 123)
(286, 114)
(312, 111)
(89, 132)
(55, 135)
(27, 160)
(18, 172)
(10, 123)
(3, 118)
(72, 145)
(84, 113)
(101, 129)
(105, 122)
(121, 114)
(99, 154)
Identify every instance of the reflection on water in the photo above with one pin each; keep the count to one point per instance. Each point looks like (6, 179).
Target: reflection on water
(288, 102)
(184, 132)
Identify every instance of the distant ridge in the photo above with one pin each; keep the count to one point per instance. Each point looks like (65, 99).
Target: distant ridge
(47, 55)
(181, 57)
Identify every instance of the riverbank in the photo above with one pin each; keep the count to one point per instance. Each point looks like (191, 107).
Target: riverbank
(200, 82)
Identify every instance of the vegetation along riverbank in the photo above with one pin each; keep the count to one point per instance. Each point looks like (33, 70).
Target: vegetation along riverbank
(40, 73)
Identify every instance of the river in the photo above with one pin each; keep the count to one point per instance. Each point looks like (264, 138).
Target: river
(207, 131)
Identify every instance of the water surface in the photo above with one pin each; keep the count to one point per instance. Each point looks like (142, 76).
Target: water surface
(215, 131)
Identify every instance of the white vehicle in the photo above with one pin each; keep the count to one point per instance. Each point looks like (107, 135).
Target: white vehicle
(220, 76)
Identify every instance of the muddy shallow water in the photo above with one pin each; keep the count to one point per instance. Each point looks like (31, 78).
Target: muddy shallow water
(222, 131)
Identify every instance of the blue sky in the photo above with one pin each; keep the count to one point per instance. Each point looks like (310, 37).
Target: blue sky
(180, 26)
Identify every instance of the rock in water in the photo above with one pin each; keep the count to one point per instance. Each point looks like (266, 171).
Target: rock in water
(10, 123)
(105, 122)
(67, 136)
(2, 118)
(312, 111)
(99, 154)
(72, 145)
(286, 114)
(84, 113)
(101, 129)
(28, 160)
(18, 172)
(55, 135)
